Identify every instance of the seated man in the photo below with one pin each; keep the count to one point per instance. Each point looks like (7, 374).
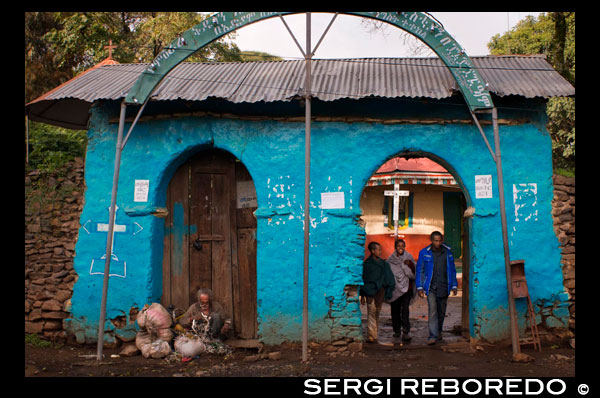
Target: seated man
(206, 309)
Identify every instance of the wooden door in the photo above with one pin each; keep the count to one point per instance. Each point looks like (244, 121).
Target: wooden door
(453, 211)
(213, 245)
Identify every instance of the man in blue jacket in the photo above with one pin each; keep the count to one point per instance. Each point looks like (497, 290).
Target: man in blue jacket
(436, 277)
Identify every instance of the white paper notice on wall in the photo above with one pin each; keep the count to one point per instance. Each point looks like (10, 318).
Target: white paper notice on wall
(141, 190)
(246, 195)
(483, 186)
(332, 200)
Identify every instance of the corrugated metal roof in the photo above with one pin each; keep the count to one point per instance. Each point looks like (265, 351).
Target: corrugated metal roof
(527, 76)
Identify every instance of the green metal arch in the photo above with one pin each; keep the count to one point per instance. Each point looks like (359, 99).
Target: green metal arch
(418, 24)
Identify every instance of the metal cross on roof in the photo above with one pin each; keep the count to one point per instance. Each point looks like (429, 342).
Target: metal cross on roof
(110, 48)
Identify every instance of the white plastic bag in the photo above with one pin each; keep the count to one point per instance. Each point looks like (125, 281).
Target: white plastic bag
(159, 349)
(189, 346)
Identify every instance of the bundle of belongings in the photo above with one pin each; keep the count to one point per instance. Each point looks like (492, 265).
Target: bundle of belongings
(155, 334)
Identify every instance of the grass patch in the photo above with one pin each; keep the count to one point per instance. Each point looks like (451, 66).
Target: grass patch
(565, 172)
(36, 341)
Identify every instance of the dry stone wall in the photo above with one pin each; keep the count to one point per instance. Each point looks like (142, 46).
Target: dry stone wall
(53, 204)
(563, 212)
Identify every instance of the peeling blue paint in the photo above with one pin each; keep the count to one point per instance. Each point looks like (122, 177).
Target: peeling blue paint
(343, 157)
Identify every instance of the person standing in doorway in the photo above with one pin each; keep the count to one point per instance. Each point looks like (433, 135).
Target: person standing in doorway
(436, 278)
(378, 286)
(402, 265)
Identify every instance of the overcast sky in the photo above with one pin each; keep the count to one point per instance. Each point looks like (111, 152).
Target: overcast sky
(351, 38)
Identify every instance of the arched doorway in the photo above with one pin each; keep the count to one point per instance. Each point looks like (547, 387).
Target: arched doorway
(433, 201)
(210, 237)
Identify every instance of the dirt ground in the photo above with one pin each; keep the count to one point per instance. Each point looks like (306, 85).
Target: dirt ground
(451, 358)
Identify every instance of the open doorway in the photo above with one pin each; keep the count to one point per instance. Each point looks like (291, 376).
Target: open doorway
(430, 200)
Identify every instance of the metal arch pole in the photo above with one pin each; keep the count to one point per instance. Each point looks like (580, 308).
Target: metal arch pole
(111, 226)
(511, 302)
(111, 222)
(308, 56)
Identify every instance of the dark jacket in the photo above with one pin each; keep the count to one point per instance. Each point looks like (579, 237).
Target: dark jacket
(377, 274)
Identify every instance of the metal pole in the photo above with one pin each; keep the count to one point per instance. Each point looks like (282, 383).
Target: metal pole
(483, 135)
(111, 226)
(308, 56)
(511, 302)
(396, 210)
(133, 124)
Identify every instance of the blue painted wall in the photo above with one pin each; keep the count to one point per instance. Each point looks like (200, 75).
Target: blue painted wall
(344, 156)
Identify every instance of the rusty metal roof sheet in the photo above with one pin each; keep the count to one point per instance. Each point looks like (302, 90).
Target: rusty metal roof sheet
(268, 81)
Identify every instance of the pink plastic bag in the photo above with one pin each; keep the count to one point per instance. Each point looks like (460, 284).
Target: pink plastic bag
(154, 318)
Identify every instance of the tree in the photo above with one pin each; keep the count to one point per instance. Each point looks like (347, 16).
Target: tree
(552, 34)
(59, 45)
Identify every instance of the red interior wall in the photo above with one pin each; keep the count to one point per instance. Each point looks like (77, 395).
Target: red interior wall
(414, 244)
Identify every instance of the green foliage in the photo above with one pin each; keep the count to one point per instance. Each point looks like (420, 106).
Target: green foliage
(564, 172)
(36, 341)
(552, 34)
(561, 125)
(528, 36)
(51, 147)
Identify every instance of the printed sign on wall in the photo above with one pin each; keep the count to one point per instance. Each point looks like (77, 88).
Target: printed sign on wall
(246, 195)
(332, 200)
(483, 186)
(141, 190)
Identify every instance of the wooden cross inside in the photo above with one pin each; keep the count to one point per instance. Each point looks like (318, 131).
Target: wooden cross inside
(110, 48)
(396, 193)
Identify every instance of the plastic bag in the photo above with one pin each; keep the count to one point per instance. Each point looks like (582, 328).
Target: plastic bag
(154, 317)
(189, 346)
(159, 349)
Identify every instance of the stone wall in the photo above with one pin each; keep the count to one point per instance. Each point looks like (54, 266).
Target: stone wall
(563, 212)
(53, 204)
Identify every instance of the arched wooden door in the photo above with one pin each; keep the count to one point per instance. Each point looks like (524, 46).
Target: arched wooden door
(210, 237)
